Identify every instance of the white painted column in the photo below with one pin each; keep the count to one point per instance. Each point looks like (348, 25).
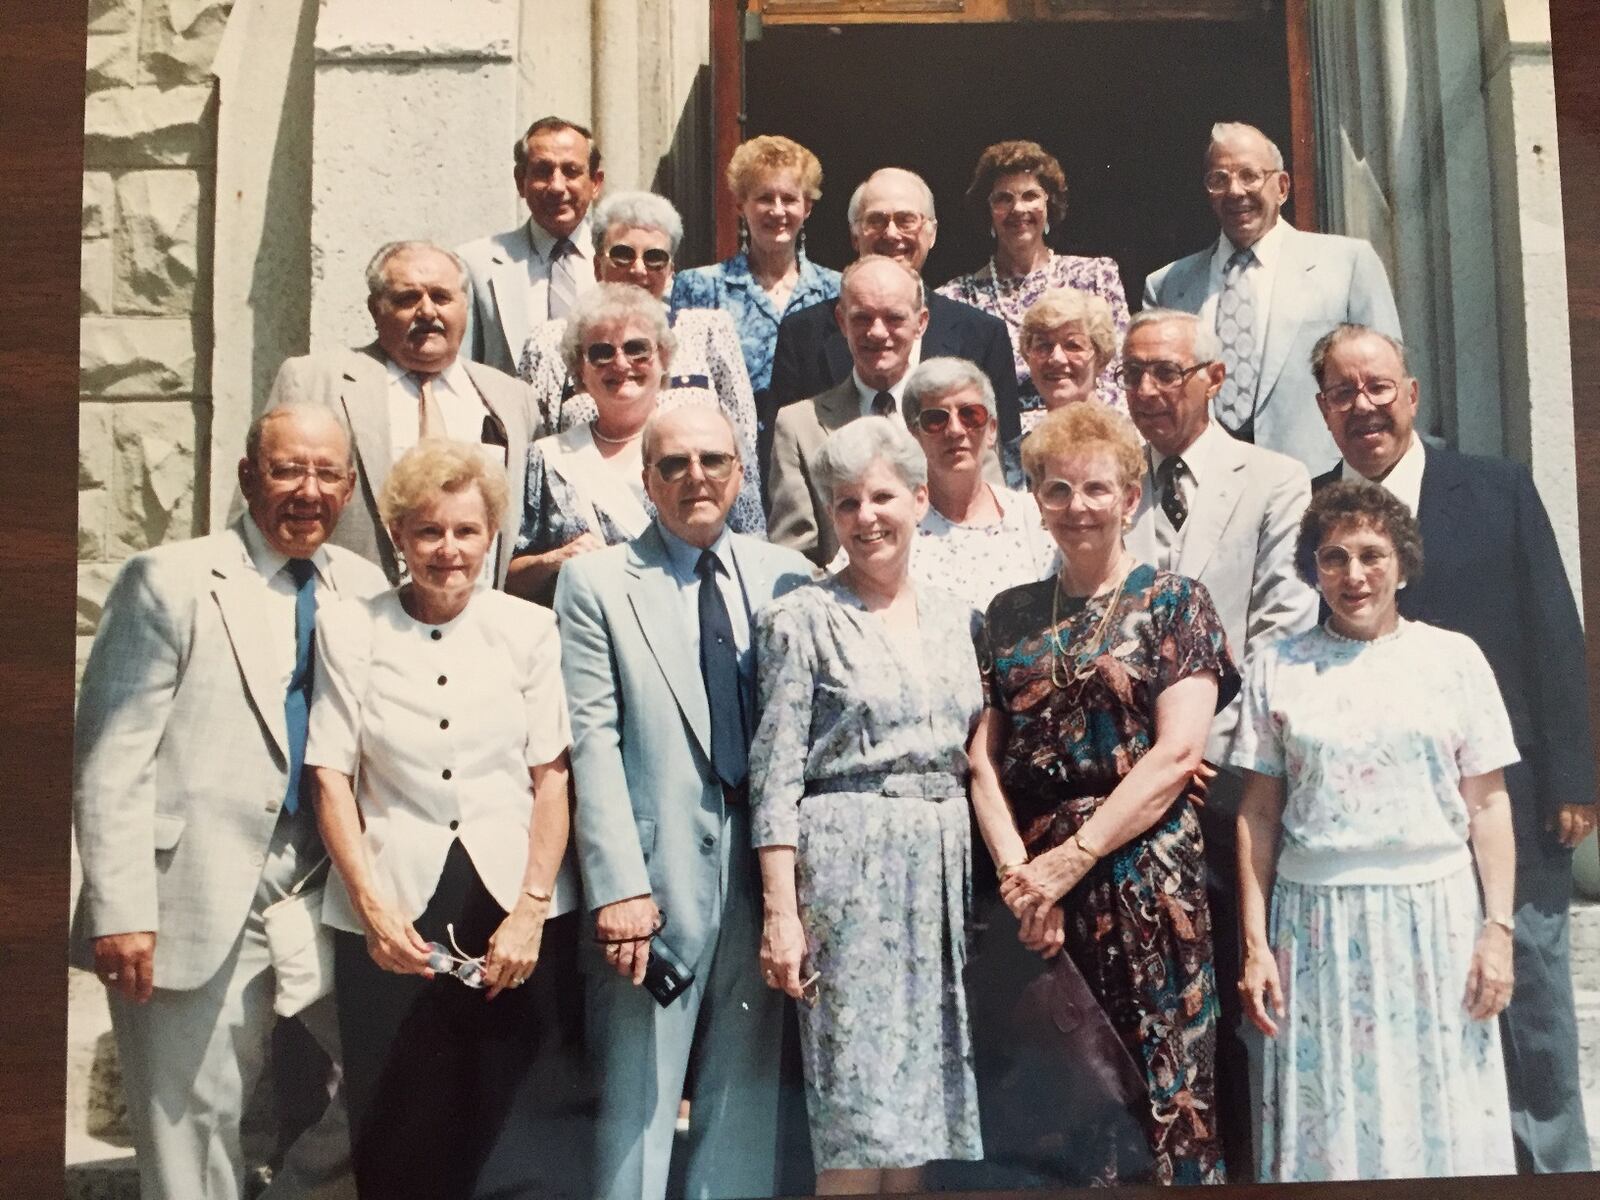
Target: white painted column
(416, 114)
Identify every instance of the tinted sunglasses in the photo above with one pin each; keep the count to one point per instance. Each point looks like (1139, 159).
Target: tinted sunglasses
(654, 259)
(635, 350)
(935, 420)
(716, 465)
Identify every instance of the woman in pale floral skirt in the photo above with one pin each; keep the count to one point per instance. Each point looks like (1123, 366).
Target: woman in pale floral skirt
(1375, 747)
(869, 693)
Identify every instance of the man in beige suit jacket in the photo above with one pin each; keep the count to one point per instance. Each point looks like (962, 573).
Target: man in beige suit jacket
(418, 299)
(188, 815)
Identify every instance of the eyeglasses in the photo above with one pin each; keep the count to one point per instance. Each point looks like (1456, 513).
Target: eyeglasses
(654, 259)
(1217, 182)
(1166, 374)
(1335, 560)
(296, 472)
(1342, 398)
(973, 417)
(1055, 495)
(905, 221)
(1012, 199)
(1072, 345)
(468, 970)
(715, 465)
(636, 350)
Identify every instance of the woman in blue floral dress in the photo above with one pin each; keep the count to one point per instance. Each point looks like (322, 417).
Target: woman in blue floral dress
(868, 689)
(1101, 682)
(1375, 747)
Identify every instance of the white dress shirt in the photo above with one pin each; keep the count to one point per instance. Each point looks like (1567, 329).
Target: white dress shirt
(1404, 479)
(540, 262)
(1199, 465)
(868, 394)
(278, 604)
(439, 724)
(1259, 277)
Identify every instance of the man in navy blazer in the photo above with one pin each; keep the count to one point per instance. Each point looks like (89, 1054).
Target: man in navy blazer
(891, 213)
(662, 826)
(1285, 291)
(1492, 570)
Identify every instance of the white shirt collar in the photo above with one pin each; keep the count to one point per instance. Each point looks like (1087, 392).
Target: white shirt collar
(1404, 480)
(543, 241)
(453, 377)
(267, 559)
(1200, 455)
(1268, 247)
(866, 394)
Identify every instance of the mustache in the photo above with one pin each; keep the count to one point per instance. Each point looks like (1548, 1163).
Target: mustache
(425, 325)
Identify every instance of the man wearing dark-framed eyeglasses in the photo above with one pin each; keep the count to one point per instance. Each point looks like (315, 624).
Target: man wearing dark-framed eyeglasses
(1226, 513)
(890, 214)
(1494, 572)
(1269, 291)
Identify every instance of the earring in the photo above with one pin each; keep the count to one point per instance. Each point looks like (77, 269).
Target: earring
(744, 237)
(1047, 228)
(800, 243)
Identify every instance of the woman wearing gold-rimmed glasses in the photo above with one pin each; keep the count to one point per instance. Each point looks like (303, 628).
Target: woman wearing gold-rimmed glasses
(1101, 682)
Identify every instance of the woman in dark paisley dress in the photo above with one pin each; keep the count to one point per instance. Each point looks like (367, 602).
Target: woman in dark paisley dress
(1101, 684)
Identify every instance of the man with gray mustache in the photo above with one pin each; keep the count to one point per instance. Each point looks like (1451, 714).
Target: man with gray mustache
(412, 383)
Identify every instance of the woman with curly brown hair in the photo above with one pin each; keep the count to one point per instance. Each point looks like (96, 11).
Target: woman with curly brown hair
(1017, 190)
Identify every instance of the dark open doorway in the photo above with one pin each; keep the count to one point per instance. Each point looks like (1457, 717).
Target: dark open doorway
(1125, 105)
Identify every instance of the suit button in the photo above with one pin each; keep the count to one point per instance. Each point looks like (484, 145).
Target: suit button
(441, 681)
(444, 723)
(455, 824)
(436, 635)
(447, 772)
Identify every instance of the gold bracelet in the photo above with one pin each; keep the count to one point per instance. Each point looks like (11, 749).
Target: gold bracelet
(1506, 923)
(1007, 868)
(533, 895)
(1078, 842)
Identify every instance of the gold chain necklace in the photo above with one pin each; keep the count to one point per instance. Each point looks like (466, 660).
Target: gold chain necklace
(1057, 651)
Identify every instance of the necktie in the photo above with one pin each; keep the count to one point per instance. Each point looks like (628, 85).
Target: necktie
(430, 417)
(1167, 476)
(563, 277)
(883, 404)
(297, 701)
(1236, 328)
(719, 666)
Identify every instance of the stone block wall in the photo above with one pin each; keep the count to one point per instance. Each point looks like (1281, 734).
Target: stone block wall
(148, 194)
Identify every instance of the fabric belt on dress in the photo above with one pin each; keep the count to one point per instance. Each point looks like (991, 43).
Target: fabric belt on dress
(929, 785)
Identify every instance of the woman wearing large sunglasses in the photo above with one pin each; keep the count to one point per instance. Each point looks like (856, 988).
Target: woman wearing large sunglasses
(1102, 681)
(636, 236)
(585, 485)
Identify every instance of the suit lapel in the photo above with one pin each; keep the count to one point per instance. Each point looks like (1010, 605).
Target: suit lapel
(1186, 285)
(1141, 540)
(508, 280)
(364, 393)
(838, 406)
(1214, 502)
(238, 591)
(658, 607)
(1294, 279)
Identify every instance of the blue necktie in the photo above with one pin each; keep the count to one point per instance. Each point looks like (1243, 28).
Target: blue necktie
(297, 703)
(719, 666)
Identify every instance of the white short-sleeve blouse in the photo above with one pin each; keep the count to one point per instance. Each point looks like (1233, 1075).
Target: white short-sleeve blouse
(439, 725)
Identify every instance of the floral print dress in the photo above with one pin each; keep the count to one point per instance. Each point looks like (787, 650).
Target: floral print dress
(860, 763)
(1377, 1071)
(1137, 925)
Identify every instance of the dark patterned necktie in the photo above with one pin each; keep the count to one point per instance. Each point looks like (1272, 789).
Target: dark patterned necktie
(297, 701)
(719, 666)
(1168, 475)
(883, 404)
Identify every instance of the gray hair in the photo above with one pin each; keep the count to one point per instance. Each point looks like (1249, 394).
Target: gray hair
(935, 378)
(378, 264)
(435, 466)
(294, 408)
(1055, 307)
(613, 302)
(867, 260)
(1222, 131)
(647, 435)
(853, 210)
(635, 210)
(1343, 333)
(850, 451)
(1207, 345)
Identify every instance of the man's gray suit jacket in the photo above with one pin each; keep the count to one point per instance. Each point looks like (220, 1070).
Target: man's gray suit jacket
(649, 816)
(355, 383)
(1322, 280)
(499, 320)
(180, 756)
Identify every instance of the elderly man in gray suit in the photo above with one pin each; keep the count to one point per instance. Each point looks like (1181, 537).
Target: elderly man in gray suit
(1270, 291)
(1226, 513)
(188, 809)
(656, 654)
(409, 384)
(533, 273)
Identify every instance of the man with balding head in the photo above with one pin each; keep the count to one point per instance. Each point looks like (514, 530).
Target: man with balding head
(1270, 291)
(189, 813)
(660, 674)
(891, 214)
(411, 383)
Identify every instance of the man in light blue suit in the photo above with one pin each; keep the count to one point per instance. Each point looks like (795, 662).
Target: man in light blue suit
(1270, 291)
(656, 655)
